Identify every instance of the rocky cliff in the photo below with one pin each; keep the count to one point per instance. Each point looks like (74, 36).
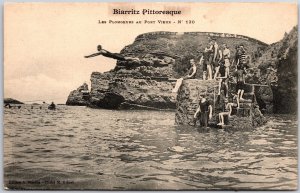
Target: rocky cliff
(278, 68)
(164, 56)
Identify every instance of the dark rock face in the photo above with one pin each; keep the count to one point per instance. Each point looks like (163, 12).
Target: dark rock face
(79, 97)
(282, 58)
(11, 101)
(287, 89)
(111, 91)
(277, 68)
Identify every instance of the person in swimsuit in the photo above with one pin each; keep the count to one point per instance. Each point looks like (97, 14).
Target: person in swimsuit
(192, 73)
(204, 110)
(242, 57)
(217, 57)
(236, 56)
(108, 54)
(207, 60)
(226, 55)
(223, 78)
(228, 111)
(240, 85)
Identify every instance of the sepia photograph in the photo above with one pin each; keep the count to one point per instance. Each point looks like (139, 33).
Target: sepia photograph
(150, 96)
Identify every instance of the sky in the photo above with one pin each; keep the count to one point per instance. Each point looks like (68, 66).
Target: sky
(45, 43)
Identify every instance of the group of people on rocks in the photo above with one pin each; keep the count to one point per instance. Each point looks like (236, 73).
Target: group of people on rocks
(215, 62)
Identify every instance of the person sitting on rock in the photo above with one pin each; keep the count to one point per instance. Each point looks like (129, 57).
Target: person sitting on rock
(192, 73)
(108, 54)
(204, 111)
(227, 112)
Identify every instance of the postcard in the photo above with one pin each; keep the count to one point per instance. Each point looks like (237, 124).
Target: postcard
(150, 96)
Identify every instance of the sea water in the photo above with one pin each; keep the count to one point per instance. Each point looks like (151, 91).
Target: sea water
(84, 148)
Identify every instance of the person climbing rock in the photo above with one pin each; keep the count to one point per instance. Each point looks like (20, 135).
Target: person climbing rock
(192, 73)
(204, 111)
(108, 54)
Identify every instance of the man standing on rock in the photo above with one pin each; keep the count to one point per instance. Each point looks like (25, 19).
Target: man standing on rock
(240, 83)
(226, 55)
(204, 110)
(217, 57)
(108, 54)
(207, 58)
(242, 58)
(223, 78)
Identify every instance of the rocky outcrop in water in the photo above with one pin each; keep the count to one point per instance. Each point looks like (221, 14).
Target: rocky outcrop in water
(247, 116)
(79, 97)
(110, 91)
(164, 56)
(11, 101)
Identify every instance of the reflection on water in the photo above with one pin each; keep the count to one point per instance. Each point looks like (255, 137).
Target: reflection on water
(79, 147)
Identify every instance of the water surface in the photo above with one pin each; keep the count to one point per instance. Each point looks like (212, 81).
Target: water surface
(84, 148)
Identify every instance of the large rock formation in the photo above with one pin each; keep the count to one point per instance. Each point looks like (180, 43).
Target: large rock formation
(110, 91)
(164, 56)
(287, 90)
(147, 84)
(277, 67)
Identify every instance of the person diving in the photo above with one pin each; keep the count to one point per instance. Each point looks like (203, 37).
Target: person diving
(108, 54)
